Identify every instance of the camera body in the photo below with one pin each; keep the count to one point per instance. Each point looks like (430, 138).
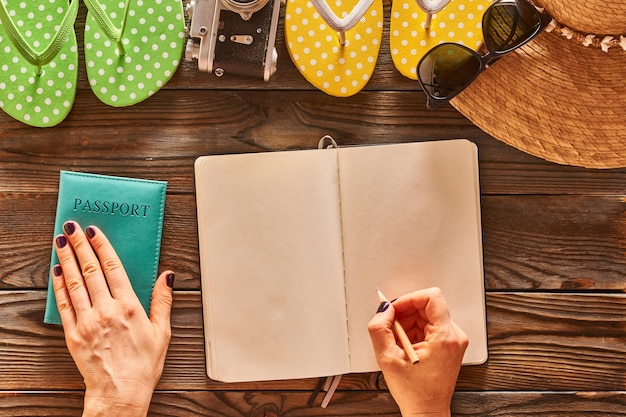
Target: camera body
(233, 36)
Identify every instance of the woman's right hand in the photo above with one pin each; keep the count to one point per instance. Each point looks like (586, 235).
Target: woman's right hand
(425, 388)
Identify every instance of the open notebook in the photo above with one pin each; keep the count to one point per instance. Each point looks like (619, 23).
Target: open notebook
(293, 245)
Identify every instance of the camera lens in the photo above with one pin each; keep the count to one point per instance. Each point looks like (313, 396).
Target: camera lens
(244, 7)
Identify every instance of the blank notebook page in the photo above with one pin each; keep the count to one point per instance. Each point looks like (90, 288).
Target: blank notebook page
(272, 276)
(411, 220)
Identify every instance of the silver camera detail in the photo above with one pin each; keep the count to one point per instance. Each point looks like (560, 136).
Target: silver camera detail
(233, 36)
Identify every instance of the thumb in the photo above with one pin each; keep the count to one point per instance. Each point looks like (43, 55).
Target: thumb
(161, 305)
(380, 329)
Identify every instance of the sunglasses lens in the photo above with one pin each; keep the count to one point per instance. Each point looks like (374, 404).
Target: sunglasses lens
(508, 25)
(447, 69)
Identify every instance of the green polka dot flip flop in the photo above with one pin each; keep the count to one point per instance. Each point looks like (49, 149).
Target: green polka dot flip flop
(132, 47)
(39, 64)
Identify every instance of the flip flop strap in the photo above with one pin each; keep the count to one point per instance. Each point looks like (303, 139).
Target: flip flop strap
(348, 22)
(56, 44)
(102, 18)
(432, 6)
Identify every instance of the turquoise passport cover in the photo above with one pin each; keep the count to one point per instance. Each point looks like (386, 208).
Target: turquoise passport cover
(129, 211)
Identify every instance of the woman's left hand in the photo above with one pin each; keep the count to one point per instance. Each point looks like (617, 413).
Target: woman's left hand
(119, 351)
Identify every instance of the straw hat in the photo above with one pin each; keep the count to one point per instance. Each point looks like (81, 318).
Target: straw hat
(562, 96)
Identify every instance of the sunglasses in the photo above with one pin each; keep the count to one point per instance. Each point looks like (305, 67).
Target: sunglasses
(448, 68)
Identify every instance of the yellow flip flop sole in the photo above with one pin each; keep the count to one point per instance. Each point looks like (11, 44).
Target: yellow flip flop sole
(315, 49)
(460, 22)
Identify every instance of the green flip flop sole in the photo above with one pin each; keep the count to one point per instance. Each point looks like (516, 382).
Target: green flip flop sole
(45, 99)
(153, 37)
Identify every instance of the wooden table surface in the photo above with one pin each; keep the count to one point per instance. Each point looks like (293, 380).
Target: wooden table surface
(554, 246)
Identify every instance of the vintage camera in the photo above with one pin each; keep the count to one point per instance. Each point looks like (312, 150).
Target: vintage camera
(233, 36)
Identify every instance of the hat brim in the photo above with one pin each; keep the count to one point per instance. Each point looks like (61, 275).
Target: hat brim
(556, 99)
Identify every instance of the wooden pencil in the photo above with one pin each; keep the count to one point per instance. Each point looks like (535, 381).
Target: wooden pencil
(401, 335)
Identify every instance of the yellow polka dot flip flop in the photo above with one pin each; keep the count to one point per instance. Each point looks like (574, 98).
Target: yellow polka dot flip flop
(132, 47)
(38, 60)
(416, 26)
(335, 47)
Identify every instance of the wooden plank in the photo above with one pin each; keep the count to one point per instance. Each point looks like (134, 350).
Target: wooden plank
(530, 242)
(537, 341)
(160, 139)
(182, 125)
(554, 242)
(346, 404)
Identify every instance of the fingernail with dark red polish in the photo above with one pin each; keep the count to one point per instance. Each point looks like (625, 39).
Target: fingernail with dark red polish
(382, 307)
(69, 227)
(90, 231)
(57, 271)
(169, 279)
(61, 241)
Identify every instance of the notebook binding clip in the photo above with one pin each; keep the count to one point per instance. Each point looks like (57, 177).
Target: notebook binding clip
(332, 144)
